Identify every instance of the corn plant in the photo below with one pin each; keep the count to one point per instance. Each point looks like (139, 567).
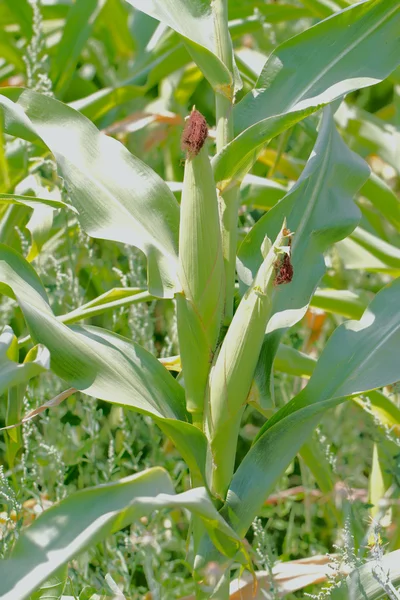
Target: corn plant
(235, 298)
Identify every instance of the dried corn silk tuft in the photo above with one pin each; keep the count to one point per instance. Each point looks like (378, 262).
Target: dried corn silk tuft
(195, 134)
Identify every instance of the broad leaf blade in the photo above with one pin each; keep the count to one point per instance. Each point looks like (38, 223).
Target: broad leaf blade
(103, 364)
(194, 20)
(117, 196)
(326, 62)
(363, 583)
(87, 517)
(319, 210)
(360, 356)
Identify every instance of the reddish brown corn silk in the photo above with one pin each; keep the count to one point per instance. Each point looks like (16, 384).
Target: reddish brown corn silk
(284, 271)
(195, 134)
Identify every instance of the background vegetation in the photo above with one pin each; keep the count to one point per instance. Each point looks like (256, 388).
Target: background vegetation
(136, 81)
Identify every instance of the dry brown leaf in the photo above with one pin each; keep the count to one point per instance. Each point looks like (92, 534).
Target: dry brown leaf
(50, 404)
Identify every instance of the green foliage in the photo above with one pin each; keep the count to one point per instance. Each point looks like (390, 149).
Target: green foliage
(214, 411)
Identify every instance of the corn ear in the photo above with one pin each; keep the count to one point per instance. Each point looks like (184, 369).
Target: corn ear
(201, 273)
(232, 374)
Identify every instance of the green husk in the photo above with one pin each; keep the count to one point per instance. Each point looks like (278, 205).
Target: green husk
(233, 370)
(201, 271)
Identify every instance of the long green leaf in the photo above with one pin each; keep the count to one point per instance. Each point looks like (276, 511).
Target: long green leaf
(117, 196)
(194, 21)
(236, 158)
(363, 583)
(376, 257)
(33, 201)
(77, 29)
(319, 210)
(360, 356)
(290, 360)
(311, 69)
(12, 373)
(22, 11)
(103, 364)
(322, 8)
(369, 134)
(383, 199)
(274, 13)
(100, 103)
(88, 516)
(340, 302)
(385, 252)
(261, 193)
(111, 300)
(326, 62)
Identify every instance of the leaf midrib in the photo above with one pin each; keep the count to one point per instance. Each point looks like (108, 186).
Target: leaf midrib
(341, 55)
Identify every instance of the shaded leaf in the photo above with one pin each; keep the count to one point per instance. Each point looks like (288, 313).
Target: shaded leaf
(78, 27)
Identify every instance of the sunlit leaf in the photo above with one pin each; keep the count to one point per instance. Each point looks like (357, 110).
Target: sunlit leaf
(103, 364)
(319, 210)
(311, 69)
(365, 583)
(359, 356)
(89, 516)
(13, 373)
(326, 61)
(117, 196)
(194, 21)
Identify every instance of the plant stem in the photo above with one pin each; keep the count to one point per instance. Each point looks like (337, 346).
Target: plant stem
(228, 202)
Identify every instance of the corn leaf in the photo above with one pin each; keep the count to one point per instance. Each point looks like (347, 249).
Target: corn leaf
(194, 21)
(359, 356)
(89, 516)
(367, 582)
(117, 196)
(319, 210)
(78, 27)
(13, 373)
(33, 201)
(340, 302)
(326, 62)
(383, 199)
(101, 363)
(385, 252)
(375, 255)
(314, 68)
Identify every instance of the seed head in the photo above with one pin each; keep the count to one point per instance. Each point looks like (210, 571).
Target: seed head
(195, 134)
